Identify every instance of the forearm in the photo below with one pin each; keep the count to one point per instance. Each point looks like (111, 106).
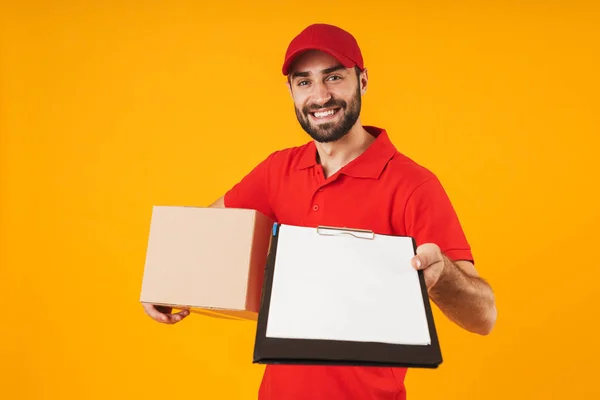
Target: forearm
(465, 299)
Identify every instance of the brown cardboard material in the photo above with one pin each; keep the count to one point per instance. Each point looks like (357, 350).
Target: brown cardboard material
(208, 260)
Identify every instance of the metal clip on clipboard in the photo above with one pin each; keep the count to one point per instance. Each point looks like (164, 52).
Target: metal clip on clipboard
(335, 231)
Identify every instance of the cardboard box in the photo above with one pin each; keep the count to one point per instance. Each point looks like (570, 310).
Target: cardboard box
(209, 260)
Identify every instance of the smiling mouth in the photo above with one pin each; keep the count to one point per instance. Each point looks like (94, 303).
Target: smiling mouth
(325, 114)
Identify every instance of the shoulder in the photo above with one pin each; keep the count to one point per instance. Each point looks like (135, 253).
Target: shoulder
(405, 171)
(290, 158)
(417, 187)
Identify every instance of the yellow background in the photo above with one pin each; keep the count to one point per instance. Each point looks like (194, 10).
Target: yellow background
(109, 108)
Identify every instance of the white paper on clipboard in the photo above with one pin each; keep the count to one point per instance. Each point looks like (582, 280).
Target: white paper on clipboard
(333, 286)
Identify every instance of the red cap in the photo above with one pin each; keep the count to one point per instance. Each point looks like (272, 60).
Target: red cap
(329, 39)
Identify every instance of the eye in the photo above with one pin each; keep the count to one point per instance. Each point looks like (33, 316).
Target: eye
(302, 83)
(334, 78)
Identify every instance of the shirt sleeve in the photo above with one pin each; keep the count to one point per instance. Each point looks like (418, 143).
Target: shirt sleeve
(430, 218)
(252, 191)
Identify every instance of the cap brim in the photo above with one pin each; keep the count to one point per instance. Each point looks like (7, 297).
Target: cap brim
(345, 61)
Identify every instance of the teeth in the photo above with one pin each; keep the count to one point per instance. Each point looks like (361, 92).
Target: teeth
(321, 114)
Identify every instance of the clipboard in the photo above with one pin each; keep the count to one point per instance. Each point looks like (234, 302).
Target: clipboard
(272, 348)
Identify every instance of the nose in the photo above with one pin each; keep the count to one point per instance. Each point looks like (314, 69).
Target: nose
(321, 94)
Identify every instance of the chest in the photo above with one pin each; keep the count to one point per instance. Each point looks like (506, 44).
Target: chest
(340, 201)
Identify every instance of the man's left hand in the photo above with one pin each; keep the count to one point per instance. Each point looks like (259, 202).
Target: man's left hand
(430, 259)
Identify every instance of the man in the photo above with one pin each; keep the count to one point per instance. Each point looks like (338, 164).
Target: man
(352, 175)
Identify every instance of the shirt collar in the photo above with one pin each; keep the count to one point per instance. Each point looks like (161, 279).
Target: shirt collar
(369, 164)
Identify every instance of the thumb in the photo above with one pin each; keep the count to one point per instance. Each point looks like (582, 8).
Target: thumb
(426, 255)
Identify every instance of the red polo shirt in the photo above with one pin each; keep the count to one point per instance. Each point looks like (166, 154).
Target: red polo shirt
(381, 190)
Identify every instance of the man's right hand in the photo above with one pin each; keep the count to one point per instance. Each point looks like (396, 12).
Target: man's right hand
(164, 314)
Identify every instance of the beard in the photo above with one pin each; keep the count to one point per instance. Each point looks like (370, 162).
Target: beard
(331, 131)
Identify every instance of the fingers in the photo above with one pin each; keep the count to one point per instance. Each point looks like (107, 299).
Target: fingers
(163, 314)
(176, 317)
(152, 311)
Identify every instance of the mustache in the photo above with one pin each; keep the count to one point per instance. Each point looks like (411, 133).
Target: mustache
(331, 103)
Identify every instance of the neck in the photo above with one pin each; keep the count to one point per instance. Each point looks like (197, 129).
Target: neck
(335, 155)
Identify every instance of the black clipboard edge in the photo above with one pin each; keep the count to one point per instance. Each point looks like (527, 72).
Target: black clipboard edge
(433, 336)
(265, 298)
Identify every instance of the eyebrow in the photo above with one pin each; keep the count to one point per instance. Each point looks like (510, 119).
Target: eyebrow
(325, 71)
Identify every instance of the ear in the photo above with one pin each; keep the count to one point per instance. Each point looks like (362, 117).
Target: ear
(289, 87)
(363, 81)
